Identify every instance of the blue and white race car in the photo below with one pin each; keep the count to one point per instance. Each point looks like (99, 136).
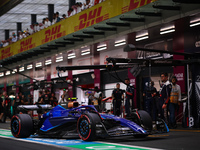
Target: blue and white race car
(84, 121)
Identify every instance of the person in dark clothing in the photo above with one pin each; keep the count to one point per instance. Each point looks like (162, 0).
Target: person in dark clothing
(53, 100)
(46, 97)
(18, 101)
(149, 99)
(40, 98)
(129, 97)
(165, 90)
(6, 106)
(1, 107)
(30, 99)
(118, 96)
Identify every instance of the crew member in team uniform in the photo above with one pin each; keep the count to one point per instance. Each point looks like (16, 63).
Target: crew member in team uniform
(6, 105)
(98, 97)
(46, 97)
(1, 107)
(18, 101)
(117, 96)
(149, 99)
(129, 97)
(165, 90)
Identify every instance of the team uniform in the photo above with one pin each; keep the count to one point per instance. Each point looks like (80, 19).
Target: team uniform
(6, 108)
(117, 94)
(175, 97)
(98, 96)
(46, 99)
(164, 92)
(129, 97)
(149, 101)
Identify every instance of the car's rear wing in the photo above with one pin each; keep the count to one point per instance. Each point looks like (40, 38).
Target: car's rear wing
(34, 107)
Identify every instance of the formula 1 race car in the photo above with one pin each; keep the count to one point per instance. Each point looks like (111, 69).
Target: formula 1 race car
(84, 121)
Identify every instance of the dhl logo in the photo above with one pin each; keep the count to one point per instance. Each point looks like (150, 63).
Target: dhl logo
(26, 45)
(135, 4)
(6, 53)
(53, 34)
(88, 19)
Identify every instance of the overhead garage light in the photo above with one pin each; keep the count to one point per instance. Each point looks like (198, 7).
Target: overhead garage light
(120, 42)
(7, 73)
(21, 69)
(48, 62)
(59, 59)
(195, 22)
(168, 29)
(85, 52)
(1, 74)
(142, 35)
(71, 55)
(101, 47)
(14, 71)
(39, 64)
(29, 67)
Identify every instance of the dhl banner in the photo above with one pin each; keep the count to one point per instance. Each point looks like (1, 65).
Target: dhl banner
(84, 19)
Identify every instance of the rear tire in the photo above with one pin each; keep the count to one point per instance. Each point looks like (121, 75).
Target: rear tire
(86, 126)
(21, 126)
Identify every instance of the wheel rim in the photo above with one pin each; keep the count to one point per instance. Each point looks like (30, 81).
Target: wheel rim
(84, 127)
(15, 126)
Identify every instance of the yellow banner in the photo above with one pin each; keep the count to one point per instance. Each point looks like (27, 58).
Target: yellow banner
(98, 13)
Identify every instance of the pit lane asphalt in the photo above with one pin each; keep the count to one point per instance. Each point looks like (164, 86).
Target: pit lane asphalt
(176, 139)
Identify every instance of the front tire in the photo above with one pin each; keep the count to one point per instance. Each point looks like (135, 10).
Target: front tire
(21, 126)
(86, 126)
(144, 120)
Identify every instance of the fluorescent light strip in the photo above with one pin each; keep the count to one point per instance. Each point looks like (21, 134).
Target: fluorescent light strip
(101, 45)
(85, 53)
(87, 50)
(70, 57)
(101, 48)
(142, 38)
(29, 67)
(167, 28)
(14, 71)
(21, 69)
(167, 31)
(1, 74)
(48, 60)
(48, 63)
(72, 54)
(59, 60)
(142, 35)
(38, 64)
(194, 24)
(7, 73)
(121, 43)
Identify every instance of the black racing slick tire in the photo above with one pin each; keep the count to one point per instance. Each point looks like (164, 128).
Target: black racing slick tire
(21, 126)
(146, 121)
(86, 126)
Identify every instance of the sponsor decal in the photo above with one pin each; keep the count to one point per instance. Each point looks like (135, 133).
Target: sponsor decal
(92, 17)
(53, 33)
(6, 52)
(135, 4)
(179, 76)
(26, 45)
